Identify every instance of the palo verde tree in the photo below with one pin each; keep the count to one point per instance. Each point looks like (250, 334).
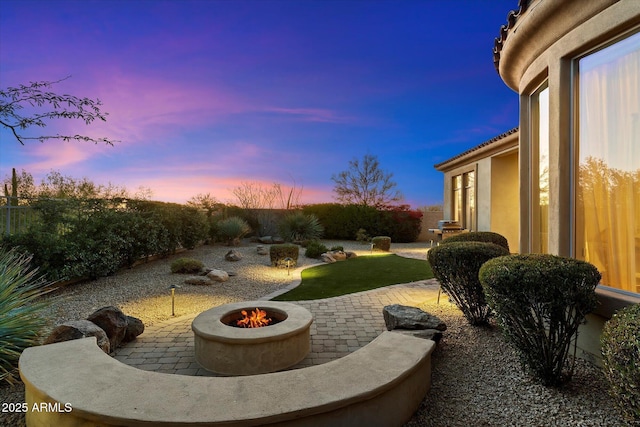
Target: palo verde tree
(364, 183)
(44, 106)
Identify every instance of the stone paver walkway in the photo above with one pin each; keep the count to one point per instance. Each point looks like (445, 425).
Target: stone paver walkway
(340, 326)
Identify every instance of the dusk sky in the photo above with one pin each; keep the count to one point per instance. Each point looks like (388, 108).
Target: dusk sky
(205, 94)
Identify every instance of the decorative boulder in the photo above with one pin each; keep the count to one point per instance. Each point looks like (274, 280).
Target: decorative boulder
(233, 255)
(351, 255)
(218, 275)
(266, 239)
(327, 257)
(398, 316)
(198, 281)
(134, 328)
(262, 250)
(338, 255)
(76, 329)
(278, 240)
(113, 321)
(427, 334)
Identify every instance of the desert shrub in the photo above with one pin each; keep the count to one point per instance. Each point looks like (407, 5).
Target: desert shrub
(479, 236)
(381, 243)
(315, 248)
(232, 229)
(193, 227)
(94, 237)
(20, 323)
(279, 254)
(540, 300)
(186, 265)
(621, 359)
(298, 227)
(456, 267)
(337, 248)
(362, 236)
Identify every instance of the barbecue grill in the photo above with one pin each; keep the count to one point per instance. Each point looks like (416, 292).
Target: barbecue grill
(447, 228)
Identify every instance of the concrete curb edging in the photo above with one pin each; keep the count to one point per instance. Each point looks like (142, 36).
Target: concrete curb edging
(381, 384)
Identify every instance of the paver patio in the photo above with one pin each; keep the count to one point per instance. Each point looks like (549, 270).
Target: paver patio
(341, 325)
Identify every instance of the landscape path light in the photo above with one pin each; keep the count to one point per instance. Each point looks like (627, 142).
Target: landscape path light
(288, 261)
(173, 299)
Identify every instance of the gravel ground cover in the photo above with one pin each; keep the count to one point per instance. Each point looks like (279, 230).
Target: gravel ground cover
(476, 378)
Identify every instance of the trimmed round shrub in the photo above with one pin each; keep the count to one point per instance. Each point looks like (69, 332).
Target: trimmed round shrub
(186, 265)
(456, 267)
(621, 359)
(540, 300)
(479, 236)
(280, 253)
(232, 229)
(298, 227)
(381, 243)
(315, 249)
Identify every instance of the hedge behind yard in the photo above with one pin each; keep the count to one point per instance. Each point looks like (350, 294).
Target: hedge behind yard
(91, 238)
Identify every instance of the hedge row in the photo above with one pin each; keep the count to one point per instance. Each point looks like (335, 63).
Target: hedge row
(91, 238)
(342, 222)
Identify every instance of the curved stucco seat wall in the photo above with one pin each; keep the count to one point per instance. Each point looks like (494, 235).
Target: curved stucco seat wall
(381, 384)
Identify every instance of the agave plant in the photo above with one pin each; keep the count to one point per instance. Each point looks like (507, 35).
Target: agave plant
(298, 227)
(232, 229)
(20, 324)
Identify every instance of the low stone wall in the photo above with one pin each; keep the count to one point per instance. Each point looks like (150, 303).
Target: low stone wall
(381, 384)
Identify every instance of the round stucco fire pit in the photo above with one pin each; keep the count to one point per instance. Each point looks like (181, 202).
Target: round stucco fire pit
(226, 349)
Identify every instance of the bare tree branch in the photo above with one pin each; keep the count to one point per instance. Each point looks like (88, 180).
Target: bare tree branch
(14, 99)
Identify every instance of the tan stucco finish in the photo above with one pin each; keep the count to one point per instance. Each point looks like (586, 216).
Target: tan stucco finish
(381, 384)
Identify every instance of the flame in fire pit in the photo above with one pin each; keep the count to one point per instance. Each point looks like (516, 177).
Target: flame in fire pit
(257, 319)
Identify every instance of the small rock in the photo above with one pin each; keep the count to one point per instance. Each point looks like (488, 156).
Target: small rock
(218, 275)
(398, 316)
(135, 327)
(262, 250)
(233, 255)
(113, 321)
(351, 255)
(278, 240)
(198, 281)
(76, 329)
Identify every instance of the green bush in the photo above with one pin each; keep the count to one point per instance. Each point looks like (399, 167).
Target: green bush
(456, 267)
(298, 227)
(479, 236)
(621, 359)
(337, 248)
(186, 265)
(540, 300)
(20, 323)
(381, 243)
(315, 248)
(362, 236)
(94, 237)
(232, 229)
(280, 253)
(342, 222)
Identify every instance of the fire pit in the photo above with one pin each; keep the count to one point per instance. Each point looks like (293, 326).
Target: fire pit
(225, 347)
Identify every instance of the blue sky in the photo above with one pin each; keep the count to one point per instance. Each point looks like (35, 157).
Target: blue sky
(205, 94)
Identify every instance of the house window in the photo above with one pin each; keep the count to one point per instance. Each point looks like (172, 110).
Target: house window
(608, 157)
(464, 200)
(540, 170)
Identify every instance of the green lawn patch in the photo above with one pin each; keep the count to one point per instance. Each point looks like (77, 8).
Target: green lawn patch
(355, 275)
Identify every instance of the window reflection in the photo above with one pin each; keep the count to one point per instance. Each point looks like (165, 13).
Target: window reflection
(608, 192)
